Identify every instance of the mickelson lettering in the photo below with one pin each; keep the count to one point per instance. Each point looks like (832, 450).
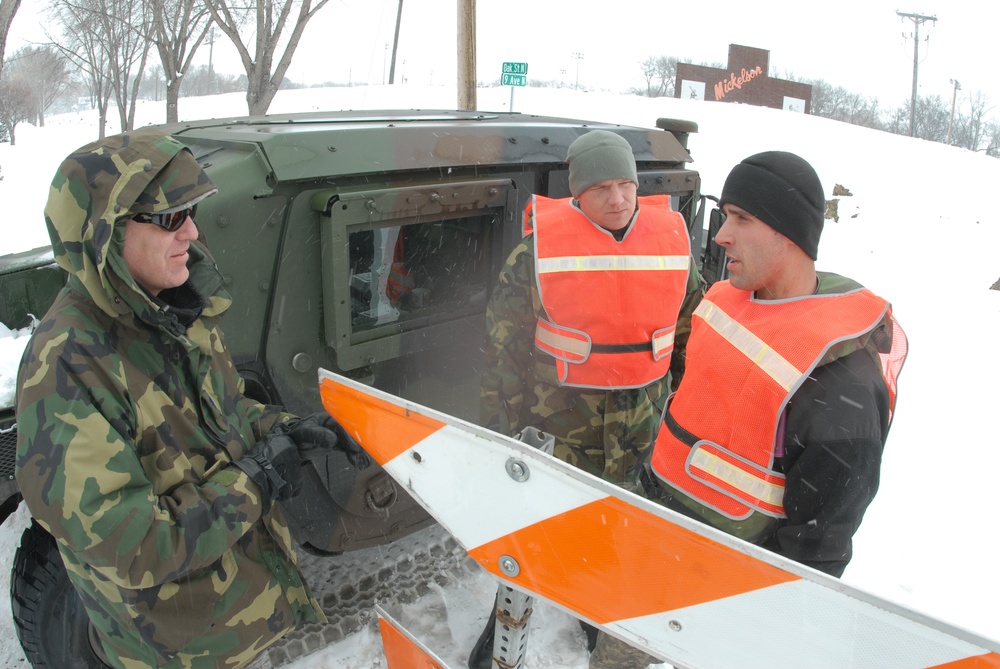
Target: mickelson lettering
(727, 85)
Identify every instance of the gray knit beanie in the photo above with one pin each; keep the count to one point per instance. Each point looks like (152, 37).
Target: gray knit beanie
(784, 191)
(598, 156)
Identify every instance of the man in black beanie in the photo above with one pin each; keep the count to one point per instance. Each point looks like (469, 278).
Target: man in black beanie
(776, 432)
(587, 325)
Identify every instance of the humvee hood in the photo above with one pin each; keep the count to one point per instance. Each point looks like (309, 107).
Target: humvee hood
(100, 185)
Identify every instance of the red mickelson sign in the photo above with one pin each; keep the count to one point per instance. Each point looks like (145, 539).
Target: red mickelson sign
(744, 80)
(734, 82)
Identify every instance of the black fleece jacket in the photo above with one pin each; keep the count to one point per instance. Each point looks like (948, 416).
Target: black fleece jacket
(836, 427)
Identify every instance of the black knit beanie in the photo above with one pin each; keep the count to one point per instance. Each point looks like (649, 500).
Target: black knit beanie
(784, 191)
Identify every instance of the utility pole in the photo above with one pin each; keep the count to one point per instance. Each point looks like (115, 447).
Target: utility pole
(917, 19)
(395, 44)
(467, 54)
(954, 96)
(579, 57)
(211, 46)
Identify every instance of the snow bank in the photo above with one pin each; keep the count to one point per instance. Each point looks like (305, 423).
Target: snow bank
(12, 343)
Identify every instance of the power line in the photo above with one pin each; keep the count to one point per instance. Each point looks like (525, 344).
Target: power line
(917, 19)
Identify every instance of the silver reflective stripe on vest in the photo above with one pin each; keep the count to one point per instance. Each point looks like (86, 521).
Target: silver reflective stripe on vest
(753, 486)
(770, 361)
(663, 342)
(560, 342)
(604, 263)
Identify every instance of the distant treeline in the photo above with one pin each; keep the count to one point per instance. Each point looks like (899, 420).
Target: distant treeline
(969, 125)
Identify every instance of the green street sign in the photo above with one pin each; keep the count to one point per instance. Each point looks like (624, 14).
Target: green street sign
(515, 68)
(513, 80)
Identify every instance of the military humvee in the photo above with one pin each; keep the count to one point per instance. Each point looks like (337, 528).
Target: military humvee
(364, 242)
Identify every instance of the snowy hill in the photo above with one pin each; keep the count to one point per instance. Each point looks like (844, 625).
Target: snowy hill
(910, 231)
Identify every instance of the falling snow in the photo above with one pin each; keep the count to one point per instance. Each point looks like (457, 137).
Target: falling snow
(906, 233)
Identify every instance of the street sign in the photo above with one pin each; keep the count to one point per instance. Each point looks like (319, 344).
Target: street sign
(514, 74)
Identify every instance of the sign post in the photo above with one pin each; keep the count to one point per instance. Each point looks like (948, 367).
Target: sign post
(514, 74)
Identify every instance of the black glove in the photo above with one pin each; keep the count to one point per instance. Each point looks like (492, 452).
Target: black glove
(320, 432)
(274, 465)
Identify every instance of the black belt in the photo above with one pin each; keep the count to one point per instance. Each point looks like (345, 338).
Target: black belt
(622, 348)
(679, 432)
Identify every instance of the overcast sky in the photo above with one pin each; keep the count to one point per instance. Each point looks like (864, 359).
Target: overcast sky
(863, 46)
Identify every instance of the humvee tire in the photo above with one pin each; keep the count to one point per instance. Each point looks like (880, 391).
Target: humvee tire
(52, 625)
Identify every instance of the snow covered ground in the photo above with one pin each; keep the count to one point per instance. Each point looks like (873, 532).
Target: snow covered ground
(913, 231)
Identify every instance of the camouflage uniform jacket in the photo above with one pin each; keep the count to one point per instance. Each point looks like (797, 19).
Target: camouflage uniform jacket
(603, 432)
(128, 418)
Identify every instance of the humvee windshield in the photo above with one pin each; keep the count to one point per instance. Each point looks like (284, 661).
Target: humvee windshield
(415, 274)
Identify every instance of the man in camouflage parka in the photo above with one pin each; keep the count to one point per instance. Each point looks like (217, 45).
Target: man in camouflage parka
(130, 413)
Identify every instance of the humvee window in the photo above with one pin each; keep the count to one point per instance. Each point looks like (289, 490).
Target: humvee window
(418, 273)
(409, 269)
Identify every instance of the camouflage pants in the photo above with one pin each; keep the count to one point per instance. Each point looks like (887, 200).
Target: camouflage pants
(603, 433)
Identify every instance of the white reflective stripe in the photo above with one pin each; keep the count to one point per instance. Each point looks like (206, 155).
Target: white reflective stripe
(662, 342)
(523, 506)
(561, 342)
(854, 633)
(744, 481)
(773, 363)
(603, 263)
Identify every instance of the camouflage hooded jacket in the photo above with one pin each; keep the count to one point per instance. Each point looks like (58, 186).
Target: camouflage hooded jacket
(128, 418)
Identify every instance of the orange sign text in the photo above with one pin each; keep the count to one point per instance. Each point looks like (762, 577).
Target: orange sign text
(728, 85)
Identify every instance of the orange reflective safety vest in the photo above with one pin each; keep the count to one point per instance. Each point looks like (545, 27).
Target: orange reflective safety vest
(745, 360)
(612, 305)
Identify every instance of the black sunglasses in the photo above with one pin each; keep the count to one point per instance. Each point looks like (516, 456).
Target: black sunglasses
(171, 222)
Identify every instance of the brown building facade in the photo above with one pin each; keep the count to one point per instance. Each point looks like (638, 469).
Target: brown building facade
(745, 80)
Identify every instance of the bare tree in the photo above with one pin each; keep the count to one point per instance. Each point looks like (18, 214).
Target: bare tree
(109, 40)
(179, 28)
(271, 17)
(17, 102)
(980, 105)
(829, 101)
(898, 120)
(203, 81)
(864, 111)
(666, 73)
(154, 84)
(8, 8)
(659, 73)
(649, 73)
(84, 48)
(126, 24)
(932, 118)
(48, 70)
(993, 137)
